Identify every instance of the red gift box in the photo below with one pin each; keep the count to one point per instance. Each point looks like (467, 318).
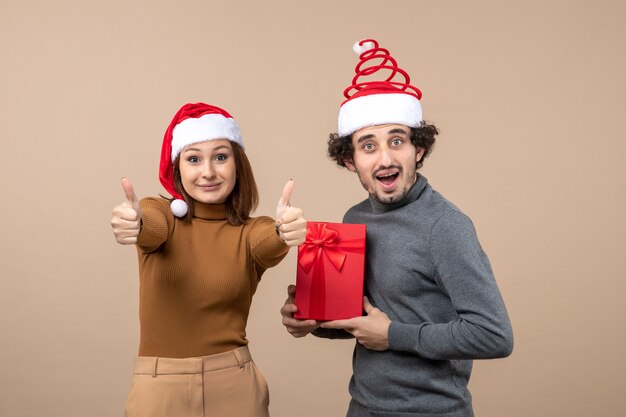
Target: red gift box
(329, 282)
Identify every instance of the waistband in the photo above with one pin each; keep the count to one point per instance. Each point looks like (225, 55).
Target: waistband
(174, 366)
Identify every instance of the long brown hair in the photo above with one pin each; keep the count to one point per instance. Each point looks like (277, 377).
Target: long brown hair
(242, 200)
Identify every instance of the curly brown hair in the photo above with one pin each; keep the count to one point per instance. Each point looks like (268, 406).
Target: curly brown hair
(340, 148)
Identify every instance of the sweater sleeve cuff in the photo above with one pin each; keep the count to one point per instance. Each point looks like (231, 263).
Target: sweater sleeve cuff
(331, 333)
(154, 229)
(402, 336)
(270, 249)
(149, 240)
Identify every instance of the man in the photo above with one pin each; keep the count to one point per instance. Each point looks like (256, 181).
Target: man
(432, 304)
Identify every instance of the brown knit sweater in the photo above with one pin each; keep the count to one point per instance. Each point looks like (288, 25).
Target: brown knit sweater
(197, 279)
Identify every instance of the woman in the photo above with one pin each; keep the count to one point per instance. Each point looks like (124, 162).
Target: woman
(201, 257)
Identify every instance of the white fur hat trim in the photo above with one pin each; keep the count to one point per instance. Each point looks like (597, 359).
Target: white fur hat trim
(379, 109)
(207, 127)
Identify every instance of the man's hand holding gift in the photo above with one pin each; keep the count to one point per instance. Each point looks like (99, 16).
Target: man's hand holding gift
(370, 330)
(296, 327)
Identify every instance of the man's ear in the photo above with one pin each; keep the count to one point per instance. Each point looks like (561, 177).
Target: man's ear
(348, 164)
(419, 154)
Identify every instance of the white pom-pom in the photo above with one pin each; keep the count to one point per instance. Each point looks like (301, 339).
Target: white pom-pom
(359, 49)
(179, 208)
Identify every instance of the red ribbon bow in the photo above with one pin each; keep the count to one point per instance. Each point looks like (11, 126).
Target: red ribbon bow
(320, 239)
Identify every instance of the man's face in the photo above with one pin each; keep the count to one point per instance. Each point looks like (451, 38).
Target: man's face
(384, 159)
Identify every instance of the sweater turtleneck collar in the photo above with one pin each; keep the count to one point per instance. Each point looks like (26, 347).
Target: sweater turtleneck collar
(412, 195)
(209, 211)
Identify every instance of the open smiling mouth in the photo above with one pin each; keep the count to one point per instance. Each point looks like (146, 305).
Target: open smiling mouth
(388, 179)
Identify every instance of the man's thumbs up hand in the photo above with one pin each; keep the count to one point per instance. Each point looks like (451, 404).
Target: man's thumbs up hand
(290, 222)
(126, 221)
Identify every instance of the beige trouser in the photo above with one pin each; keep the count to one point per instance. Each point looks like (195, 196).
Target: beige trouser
(221, 385)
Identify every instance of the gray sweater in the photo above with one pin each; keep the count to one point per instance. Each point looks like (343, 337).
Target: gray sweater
(427, 271)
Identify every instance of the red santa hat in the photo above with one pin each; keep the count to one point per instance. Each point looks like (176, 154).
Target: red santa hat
(378, 100)
(193, 123)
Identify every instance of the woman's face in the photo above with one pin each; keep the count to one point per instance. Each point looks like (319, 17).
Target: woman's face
(207, 170)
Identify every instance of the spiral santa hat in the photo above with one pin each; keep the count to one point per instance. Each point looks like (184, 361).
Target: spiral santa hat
(193, 123)
(374, 98)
